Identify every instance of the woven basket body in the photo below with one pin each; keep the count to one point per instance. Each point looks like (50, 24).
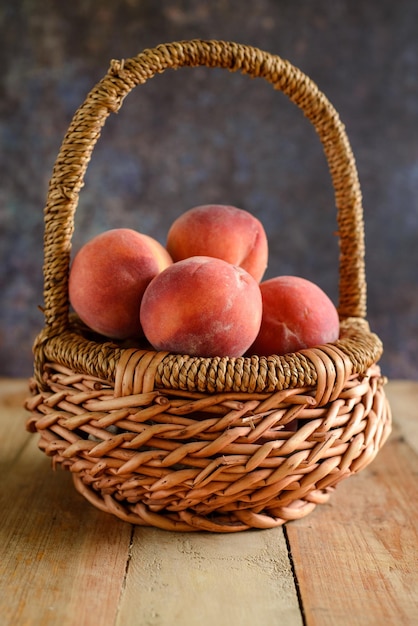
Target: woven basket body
(189, 443)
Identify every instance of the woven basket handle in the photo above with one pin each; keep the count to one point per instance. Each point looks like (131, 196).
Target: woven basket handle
(107, 97)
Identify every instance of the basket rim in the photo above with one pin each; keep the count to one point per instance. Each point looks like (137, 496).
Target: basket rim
(137, 370)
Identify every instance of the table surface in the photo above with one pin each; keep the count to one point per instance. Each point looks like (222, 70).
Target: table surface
(353, 561)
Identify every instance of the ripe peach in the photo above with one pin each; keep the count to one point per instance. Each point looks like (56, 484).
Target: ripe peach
(202, 306)
(297, 314)
(220, 231)
(108, 277)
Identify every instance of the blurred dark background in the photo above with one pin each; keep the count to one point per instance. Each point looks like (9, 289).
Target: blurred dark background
(199, 136)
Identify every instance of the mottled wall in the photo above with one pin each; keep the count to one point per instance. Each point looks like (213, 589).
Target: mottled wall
(198, 136)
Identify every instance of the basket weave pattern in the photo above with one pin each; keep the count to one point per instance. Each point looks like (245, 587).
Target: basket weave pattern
(191, 443)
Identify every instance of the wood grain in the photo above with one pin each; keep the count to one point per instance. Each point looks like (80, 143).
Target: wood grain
(206, 579)
(13, 436)
(403, 398)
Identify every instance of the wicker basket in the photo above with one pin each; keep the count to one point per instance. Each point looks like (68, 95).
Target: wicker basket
(188, 443)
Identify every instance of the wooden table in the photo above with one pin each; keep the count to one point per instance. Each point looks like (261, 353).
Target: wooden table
(353, 561)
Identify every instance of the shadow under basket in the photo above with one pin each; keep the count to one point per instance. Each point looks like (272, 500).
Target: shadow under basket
(215, 444)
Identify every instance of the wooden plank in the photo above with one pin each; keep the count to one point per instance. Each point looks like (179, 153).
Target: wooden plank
(403, 399)
(13, 435)
(356, 558)
(61, 560)
(206, 579)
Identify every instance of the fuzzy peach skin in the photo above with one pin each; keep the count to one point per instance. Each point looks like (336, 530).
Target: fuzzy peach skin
(202, 306)
(297, 314)
(108, 277)
(220, 231)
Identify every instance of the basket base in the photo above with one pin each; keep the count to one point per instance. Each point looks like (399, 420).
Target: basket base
(187, 520)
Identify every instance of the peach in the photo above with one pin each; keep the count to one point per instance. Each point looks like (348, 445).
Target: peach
(202, 306)
(108, 277)
(297, 314)
(220, 231)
